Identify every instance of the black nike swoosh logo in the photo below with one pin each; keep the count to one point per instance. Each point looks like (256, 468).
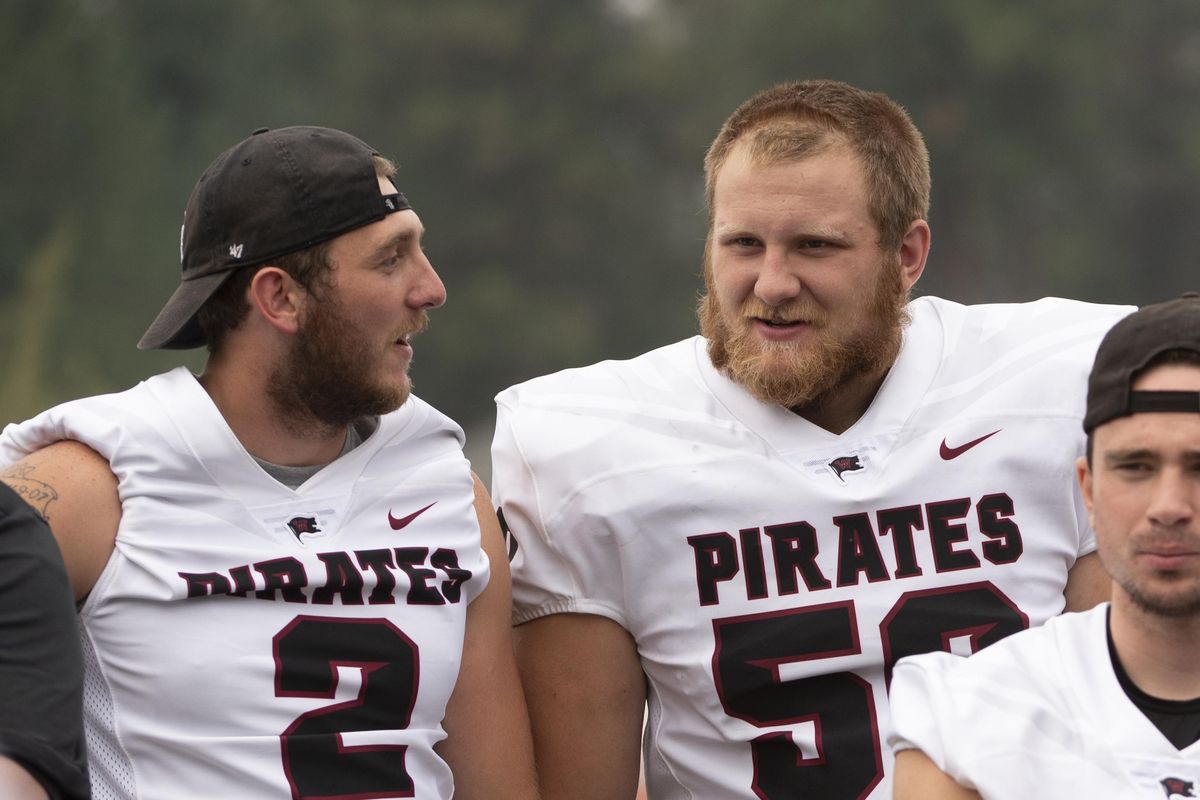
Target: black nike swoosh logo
(947, 452)
(397, 524)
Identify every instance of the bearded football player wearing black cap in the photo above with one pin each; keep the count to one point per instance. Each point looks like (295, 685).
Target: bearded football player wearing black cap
(231, 651)
(1103, 703)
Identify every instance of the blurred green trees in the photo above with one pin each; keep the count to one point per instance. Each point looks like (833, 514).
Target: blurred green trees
(553, 151)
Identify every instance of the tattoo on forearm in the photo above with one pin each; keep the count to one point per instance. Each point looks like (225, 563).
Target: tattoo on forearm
(37, 493)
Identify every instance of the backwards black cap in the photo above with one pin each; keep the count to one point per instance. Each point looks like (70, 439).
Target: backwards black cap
(274, 193)
(1125, 351)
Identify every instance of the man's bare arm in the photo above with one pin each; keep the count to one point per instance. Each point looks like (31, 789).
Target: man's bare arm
(488, 744)
(918, 778)
(17, 784)
(1088, 584)
(73, 488)
(587, 699)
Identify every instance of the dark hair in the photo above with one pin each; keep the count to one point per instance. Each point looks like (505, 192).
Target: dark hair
(227, 308)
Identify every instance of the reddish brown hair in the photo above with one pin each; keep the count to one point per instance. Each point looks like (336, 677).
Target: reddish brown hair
(797, 120)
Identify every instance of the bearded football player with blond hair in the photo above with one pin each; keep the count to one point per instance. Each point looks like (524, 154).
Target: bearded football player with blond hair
(748, 528)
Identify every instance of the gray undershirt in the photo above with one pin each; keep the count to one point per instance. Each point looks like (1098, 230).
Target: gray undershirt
(294, 477)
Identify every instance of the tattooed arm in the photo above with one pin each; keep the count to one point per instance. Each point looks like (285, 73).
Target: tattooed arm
(73, 489)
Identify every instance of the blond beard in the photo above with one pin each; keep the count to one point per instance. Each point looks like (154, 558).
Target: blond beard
(780, 373)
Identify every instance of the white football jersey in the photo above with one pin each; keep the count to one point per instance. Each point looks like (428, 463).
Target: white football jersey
(1041, 716)
(247, 640)
(771, 572)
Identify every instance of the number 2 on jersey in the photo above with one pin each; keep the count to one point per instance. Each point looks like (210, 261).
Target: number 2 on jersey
(848, 765)
(317, 763)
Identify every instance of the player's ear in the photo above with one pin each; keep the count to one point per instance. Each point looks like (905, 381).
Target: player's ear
(914, 250)
(278, 298)
(1084, 473)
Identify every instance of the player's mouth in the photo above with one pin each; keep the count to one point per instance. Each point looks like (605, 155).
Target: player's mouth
(403, 345)
(404, 340)
(1169, 557)
(778, 328)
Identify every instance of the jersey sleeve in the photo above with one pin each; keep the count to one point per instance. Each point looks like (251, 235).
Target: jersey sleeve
(560, 562)
(41, 673)
(924, 715)
(916, 719)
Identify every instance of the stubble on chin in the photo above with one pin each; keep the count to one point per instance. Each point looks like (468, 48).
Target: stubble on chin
(1170, 596)
(1177, 605)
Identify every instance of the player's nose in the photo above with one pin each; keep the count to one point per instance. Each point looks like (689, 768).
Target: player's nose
(1174, 499)
(428, 291)
(778, 282)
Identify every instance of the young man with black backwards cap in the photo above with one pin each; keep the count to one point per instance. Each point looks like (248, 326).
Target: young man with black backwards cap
(291, 584)
(1103, 703)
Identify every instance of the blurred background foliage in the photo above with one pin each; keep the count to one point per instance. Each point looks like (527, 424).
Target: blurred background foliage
(553, 150)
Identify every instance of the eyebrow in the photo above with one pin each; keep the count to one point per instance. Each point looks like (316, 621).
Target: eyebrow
(1131, 454)
(392, 242)
(1141, 454)
(805, 232)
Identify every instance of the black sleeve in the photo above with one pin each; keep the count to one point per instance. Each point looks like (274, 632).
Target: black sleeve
(41, 665)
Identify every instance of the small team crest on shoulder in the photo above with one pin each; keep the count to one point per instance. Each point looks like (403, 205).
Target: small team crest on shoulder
(1178, 787)
(302, 525)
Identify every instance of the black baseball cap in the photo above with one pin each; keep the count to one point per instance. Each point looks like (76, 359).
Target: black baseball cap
(271, 194)
(1125, 351)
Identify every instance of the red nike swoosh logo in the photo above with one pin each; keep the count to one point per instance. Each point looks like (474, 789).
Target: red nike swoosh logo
(949, 452)
(397, 524)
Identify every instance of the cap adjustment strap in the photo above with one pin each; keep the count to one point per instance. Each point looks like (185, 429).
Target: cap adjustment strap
(1151, 402)
(395, 202)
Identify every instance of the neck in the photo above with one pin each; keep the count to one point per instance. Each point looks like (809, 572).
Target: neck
(279, 436)
(1159, 653)
(843, 405)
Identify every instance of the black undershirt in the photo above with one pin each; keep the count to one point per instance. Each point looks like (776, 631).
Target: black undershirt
(1179, 720)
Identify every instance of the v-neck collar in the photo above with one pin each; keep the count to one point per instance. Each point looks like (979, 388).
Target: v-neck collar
(213, 443)
(898, 397)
